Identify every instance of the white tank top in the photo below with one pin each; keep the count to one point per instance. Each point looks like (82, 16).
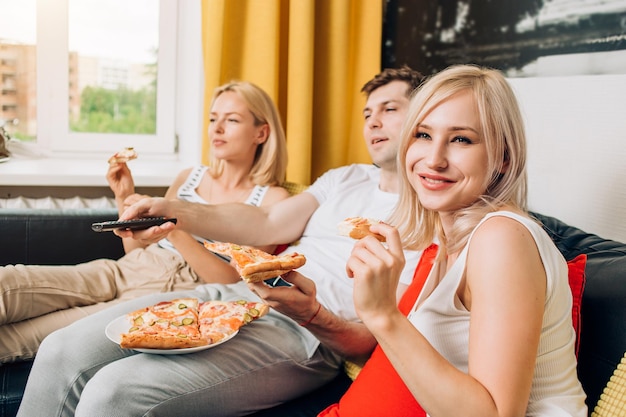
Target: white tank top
(187, 192)
(444, 321)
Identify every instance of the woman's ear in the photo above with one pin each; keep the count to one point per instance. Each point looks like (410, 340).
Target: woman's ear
(505, 164)
(505, 167)
(263, 133)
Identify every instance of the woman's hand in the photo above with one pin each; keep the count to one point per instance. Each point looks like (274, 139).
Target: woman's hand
(120, 180)
(376, 269)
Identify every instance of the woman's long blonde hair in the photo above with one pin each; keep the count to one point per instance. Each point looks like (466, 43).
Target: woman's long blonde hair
(270, 162)
(502, 128)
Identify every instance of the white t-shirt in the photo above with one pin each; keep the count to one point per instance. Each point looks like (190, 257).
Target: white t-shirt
(556, 390)
(343, 192)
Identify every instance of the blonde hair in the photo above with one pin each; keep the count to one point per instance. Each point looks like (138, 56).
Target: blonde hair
(270, 162)
(502, 128)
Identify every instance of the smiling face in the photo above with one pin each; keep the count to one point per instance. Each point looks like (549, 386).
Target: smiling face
(232, 128)
(447, 162)
(384, 114)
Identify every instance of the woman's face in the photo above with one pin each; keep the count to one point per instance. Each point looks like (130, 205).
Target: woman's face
(446, 161)
(231, 127)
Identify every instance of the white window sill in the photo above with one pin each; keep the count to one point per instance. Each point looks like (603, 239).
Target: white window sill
(74, 172)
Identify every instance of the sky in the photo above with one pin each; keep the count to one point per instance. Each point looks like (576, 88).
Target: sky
(116, 29)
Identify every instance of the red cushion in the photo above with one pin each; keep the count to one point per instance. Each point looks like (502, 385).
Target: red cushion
(378, 379)
(576, 275)
(280, 249)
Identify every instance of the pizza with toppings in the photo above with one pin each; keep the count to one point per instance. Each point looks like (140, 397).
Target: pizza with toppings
(123, 156)
(358, 228)
(186, 323)
(255, 265)
(219, 319)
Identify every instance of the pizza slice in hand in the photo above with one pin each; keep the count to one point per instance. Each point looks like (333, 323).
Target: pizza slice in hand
(358, 228)
(255, 265)
(123, 156)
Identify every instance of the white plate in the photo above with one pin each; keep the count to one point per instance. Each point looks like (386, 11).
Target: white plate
(4, 158)
(120, 325)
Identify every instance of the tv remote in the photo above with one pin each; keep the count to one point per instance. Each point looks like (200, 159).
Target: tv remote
(134, 224)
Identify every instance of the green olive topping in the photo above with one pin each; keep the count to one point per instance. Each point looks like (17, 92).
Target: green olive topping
(254, 312)
(138, 320)
(241, 302)
(182, 336)
(182, 306)
(247, 318)
(187, 321)
(133, 329)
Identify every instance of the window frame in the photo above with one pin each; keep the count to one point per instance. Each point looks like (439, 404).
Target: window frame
(53, 133)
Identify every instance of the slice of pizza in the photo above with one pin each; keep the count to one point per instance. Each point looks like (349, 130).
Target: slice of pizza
(220, 319)
(123, 156)
(167, 325)
(255, 265)
(358, 228)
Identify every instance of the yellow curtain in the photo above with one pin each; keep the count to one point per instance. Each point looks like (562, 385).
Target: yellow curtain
(312, 57)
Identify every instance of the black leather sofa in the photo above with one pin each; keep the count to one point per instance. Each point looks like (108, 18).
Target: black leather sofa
(59, 236)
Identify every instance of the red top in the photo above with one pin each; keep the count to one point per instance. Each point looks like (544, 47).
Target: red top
(378, 390)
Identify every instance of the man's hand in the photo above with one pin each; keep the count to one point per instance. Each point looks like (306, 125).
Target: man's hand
(133, 198)
(148, 207)
(297, 301)
(349, 339)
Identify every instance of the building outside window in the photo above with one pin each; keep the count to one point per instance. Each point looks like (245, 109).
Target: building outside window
(82, 76)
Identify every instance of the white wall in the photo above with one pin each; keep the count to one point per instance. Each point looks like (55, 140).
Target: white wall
(576, 128)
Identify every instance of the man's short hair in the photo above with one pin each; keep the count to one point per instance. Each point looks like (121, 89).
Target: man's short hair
(405, 73)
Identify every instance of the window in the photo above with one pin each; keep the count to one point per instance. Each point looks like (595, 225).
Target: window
(105, 74)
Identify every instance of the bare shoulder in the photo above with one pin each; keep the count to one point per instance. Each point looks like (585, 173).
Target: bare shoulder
(503, 258)
(182, 175)
(178, 181)
(498, 230)
(505, 242)
(274, 194)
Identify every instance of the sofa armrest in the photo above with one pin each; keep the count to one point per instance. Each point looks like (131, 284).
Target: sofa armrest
(56, 236)
(603, 325)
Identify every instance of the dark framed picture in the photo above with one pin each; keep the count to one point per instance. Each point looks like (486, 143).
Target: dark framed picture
(520, 37)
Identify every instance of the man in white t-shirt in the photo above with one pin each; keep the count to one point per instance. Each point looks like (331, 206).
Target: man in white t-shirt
(297, 347)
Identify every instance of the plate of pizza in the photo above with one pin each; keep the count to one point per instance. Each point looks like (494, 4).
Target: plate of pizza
(183, 325)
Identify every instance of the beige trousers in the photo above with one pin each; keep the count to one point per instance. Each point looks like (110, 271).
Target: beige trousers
(36, 300)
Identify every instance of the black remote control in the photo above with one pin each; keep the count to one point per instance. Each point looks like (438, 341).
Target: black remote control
(134, 224)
